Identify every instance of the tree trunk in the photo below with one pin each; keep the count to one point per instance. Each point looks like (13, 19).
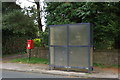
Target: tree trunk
(38, 16)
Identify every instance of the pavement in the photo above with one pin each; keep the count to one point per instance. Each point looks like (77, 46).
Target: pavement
(44, 69)
(17, 74)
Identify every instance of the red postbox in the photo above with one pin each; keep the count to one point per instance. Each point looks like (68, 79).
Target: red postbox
(29, 44)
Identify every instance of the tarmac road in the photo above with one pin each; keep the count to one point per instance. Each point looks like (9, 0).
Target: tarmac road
(16, 74)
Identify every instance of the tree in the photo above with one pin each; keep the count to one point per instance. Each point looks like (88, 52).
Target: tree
(19, 23)
(16, 22)
(38, 15)
(104, 16)
(17, 27)
(9, 6)
(38, 18)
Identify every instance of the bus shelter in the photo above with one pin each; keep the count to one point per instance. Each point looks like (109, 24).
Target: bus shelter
(70, 46)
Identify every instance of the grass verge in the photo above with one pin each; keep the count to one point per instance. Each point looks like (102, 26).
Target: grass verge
(33, 60)
(106, 66)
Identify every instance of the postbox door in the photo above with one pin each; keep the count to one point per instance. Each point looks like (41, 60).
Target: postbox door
(29, 44)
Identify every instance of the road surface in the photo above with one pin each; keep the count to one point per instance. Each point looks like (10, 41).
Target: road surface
(16, 74)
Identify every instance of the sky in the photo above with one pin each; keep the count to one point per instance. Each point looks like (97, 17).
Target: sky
(27, 3)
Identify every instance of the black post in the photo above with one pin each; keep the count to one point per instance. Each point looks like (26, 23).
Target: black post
(29, 54)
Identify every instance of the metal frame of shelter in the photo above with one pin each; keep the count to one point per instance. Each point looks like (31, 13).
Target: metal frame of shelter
(89, 53)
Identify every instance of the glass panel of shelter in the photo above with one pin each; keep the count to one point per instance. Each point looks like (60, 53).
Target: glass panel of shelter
(78, 36)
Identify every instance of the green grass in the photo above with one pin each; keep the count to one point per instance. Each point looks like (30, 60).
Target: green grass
(33, 60)
(106, 66)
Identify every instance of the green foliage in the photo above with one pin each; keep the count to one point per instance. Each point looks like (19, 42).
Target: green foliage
(9, 7)
(105, 66)
(42, 41)
(104, 16)
(13, 44)
(17, 28)
(44, 38)
(37, 42)
(17, 22)
(33, 60)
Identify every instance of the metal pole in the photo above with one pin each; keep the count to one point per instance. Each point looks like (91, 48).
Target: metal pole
(29, 54)
(67, 47)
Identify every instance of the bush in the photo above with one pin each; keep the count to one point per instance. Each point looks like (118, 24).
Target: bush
(42, 41)
(37, 42)
(44, 38)
(13, 44)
